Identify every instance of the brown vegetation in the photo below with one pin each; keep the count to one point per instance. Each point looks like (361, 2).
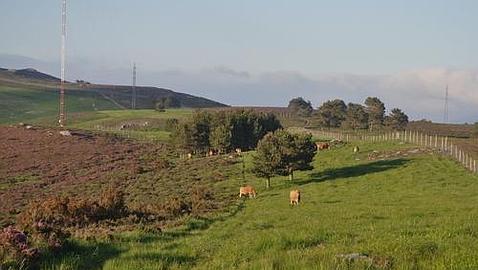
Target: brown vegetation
(40, 163)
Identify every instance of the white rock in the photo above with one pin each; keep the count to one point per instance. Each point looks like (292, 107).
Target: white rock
(65, 133)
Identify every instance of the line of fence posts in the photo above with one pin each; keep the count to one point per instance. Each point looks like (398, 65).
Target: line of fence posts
(116, 129)
(441, 143)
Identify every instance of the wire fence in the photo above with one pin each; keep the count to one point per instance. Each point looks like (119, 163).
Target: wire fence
(442, 144)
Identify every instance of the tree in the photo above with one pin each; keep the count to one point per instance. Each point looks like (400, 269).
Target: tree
(225, 131)
(298, 151)
(376, 112)
(201, 129)
(182, 137)
(248, 127)
(356, 117)
(268, 159)
(167, 103)
(220, 138)
(300, 107)
(331, 113)
(397, 120)
(282, 153)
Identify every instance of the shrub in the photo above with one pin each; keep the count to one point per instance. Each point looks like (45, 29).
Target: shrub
(176, 206)
(111, 204)
(15, 250)
(62, 211)
(201, 200)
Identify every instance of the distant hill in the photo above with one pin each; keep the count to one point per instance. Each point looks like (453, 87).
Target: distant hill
(119, 95)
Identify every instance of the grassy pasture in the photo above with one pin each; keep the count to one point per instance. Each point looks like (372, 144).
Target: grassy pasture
(415, 212)
(19, 104)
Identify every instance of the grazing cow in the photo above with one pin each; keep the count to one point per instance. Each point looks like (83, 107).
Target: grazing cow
(294, 197)
(212, 152)
(356, 149)
(238, 151)
(247, 190)
(322, 146)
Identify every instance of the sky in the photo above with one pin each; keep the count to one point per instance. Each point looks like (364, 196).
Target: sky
(252, 52)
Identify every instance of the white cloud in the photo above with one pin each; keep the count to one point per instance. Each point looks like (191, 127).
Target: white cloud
(419, 92)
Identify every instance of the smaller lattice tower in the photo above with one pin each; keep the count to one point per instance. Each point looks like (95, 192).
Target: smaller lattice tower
(445, 110)
(133, 92)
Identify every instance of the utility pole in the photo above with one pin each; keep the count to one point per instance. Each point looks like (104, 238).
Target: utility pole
(62, 113)
(445, 111)
(133, 98)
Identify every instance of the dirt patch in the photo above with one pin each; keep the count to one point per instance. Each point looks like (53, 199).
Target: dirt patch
(383, 155)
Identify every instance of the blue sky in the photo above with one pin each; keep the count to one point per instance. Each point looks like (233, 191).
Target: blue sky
(365, 37)
(306, 37)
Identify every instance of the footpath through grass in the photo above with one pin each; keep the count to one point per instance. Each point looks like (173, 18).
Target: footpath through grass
(413, 212)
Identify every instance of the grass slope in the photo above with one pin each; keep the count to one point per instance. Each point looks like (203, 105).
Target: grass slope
(417, 212)
(29, 95)
(41, 106)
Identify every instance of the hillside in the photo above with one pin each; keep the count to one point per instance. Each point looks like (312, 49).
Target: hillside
(356, 212)
(28, 94)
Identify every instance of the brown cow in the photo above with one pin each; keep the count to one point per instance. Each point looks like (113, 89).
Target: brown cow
(294, 197)
(247, 190)
(322, 146)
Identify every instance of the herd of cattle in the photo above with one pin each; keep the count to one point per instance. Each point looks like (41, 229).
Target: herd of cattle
(294, 195)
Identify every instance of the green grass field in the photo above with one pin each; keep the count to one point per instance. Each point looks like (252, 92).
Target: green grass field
(415, 212)
(41, 106)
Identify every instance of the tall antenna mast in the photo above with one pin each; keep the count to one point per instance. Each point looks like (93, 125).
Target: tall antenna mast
(445, 111)
(133, 101)
(62, 114)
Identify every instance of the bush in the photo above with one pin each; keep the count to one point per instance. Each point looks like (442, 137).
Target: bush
(15, 250)
(176, 206)
(201, 200)
(111, 204)
(62, 211)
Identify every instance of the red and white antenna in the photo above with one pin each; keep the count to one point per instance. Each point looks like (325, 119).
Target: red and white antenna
(62, 114)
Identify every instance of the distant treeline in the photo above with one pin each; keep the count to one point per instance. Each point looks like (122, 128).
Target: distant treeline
(223, 131)
(337, 114)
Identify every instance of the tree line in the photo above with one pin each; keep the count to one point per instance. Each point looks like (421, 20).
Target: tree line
(223, 131)
(336, 114)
